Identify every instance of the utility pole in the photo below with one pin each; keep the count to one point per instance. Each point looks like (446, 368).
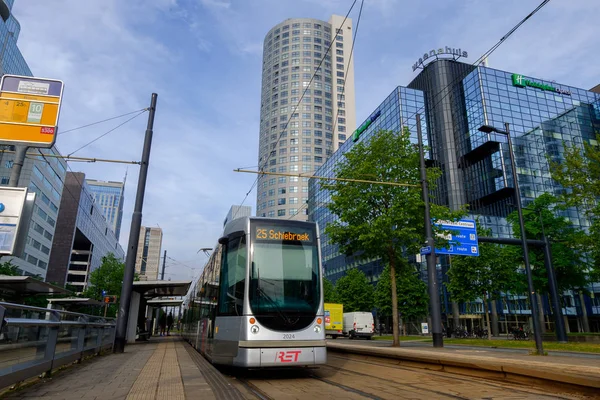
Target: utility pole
(15, 173)
(434, 294)
(134, 235)
(162, 275)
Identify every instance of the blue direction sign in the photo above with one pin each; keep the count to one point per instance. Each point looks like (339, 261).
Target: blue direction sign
(425, 250)
(463, 239)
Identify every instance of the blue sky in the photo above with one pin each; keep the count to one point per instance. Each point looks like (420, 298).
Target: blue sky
(203, 58)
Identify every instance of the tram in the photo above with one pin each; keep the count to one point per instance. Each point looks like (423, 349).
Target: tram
(259, 300)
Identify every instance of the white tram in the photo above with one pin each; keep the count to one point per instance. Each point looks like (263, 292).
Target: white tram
(259, 300)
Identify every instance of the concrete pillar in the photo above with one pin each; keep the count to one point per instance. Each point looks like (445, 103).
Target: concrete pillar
(134, 309)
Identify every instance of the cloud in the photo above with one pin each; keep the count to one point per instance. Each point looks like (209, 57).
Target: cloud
(204, 59)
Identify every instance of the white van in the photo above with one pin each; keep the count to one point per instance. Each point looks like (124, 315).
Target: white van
(359, 324)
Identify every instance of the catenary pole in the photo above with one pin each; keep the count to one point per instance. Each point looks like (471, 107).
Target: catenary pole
(434, 296)
(134, 235)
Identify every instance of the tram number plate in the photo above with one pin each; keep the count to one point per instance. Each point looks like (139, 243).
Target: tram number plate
(288, 336)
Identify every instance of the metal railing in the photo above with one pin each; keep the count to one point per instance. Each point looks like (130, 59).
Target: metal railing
(34, 340)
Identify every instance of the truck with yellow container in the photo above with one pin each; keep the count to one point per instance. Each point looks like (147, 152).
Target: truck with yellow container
(334, 319)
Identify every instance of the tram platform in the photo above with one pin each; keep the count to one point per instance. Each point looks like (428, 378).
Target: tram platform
(161, 368)
(575, 369)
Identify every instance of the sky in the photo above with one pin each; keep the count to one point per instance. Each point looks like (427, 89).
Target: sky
(203, 58)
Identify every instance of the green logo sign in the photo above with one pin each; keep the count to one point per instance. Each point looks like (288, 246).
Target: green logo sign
(520, 81)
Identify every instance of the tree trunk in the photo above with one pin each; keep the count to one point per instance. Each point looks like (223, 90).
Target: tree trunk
(455, 315)
(540, 315)
(487, 315)
(396, 341)
(584, 315)
(495, 328)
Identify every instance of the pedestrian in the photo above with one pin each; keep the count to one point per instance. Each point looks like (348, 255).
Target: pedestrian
(162, 322)
(169, 323)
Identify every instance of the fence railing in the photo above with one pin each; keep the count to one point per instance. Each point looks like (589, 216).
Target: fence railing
(34, 340)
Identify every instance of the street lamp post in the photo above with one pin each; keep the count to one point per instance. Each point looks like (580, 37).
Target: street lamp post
(532, 299)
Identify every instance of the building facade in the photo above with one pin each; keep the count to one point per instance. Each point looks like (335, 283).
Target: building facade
(236, 212)
(110, 196)
(454, 100)
(307, 108)
(82, 238)
(147, 262)
(44, 176)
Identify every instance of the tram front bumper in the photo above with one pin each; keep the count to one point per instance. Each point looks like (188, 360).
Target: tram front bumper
(280, 357)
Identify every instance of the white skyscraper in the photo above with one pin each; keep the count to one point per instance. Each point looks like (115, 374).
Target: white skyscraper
(293, 52)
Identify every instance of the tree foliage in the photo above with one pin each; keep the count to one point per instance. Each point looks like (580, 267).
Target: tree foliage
(329, 291)
(492, 272)
(578, 171)
(376, 220)
(413, 300)
(566, 244)
(8, 268)
(354, 291)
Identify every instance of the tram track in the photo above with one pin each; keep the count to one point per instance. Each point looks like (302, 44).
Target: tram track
(513, 387)
(345, 377)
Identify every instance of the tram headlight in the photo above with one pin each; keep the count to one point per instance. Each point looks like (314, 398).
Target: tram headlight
(318, 328)
(254, 329)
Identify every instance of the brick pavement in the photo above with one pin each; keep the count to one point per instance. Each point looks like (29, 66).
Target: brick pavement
(158, 370)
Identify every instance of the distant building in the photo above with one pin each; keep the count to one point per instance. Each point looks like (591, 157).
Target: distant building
(147, 262)
(309, 60)
(43, 176)
(236, 212)
(110, 197)
(82, 236)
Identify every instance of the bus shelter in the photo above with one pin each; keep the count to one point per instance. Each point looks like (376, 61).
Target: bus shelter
(147, 297)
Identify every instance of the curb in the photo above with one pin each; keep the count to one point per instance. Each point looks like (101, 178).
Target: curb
(479, 366)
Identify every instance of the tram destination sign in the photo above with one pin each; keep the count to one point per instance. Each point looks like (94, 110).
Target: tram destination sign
(29, 109)
(281, 233)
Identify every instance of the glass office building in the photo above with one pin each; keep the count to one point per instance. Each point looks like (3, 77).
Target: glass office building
(110, 197)
(455, 99)
(45, 177)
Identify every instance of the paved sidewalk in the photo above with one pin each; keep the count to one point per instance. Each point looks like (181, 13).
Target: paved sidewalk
(562, 369)
(157, 370)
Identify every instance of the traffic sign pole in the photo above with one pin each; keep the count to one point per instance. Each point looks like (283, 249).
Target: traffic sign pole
(15, 173)
(434, 293)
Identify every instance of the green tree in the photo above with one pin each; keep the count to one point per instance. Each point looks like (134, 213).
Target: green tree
(354, 291)
(108, 277)
(578, 171)
(413, 300)
(8, 268)
(377, 220)
(567, 256)
(329, 291)
(485, 276)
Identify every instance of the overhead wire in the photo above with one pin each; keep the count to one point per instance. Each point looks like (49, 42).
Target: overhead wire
(475, 64)
(318, 69)
(99, 122)
(106, 133)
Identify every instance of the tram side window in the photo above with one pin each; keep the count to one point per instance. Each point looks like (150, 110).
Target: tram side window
(233, 274)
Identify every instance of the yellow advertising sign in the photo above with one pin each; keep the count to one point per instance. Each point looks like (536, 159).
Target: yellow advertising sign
(29, 109)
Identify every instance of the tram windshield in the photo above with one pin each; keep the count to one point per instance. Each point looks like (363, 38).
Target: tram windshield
(284, 275)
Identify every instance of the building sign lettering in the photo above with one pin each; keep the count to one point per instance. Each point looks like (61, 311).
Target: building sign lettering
(520, 81)
(435, 53)
(364, 126)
